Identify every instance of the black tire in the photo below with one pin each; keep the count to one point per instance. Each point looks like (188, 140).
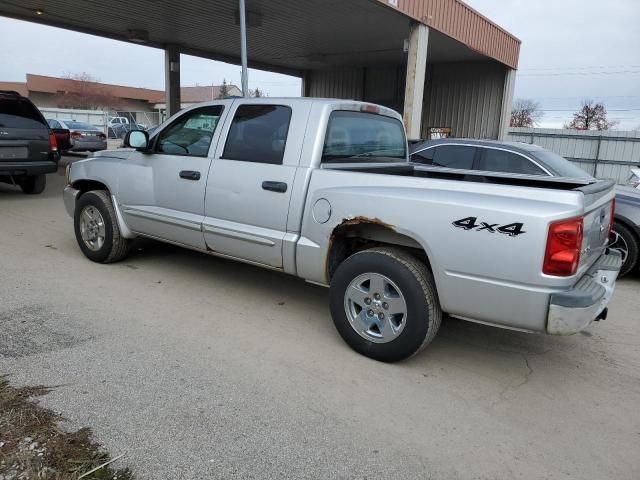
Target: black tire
(115, 247)
(415, 281)
(34, 185)
(633, 248)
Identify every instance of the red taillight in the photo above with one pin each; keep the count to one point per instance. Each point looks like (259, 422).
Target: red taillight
(613, 211)
(53, 142)
(76, 134)
(563, 248)
(370, 109)
(102, 135)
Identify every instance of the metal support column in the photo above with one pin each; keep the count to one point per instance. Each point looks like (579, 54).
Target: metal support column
(416, 72)
(507, 102)
(172, 79)
(243, 49)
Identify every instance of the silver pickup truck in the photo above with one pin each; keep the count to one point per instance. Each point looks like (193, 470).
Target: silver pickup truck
(324, 190)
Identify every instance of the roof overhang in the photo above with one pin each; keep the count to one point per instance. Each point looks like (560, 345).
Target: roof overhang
(284, 36)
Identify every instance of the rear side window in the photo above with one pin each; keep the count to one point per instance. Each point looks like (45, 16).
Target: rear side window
(258, 133)
(359, 136)
(20, 113)
(454, 156)
(54, 123)
(424, 156)
(493, 160)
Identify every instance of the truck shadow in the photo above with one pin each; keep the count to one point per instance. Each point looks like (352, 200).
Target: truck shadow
(468, 342)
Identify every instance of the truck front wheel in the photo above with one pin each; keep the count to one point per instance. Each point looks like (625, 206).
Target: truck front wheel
(384, 303)
(96, 228)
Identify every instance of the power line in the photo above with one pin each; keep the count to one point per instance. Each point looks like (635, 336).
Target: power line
(582, 67)
(568, 74)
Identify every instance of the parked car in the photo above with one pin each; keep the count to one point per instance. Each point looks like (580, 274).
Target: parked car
(120, 130)
(524, 158)
(324, 190)
(634, 178)
(63, 135)
(626, 229)
(28, 148)
(84, 137)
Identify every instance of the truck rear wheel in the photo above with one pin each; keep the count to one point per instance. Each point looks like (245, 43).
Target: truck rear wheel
(384, 303)
(96, 228)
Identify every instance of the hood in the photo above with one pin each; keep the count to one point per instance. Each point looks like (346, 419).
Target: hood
(122, 153)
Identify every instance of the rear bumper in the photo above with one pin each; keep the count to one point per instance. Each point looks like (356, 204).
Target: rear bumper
(27, 168)
(573, 310)
(70, 194)
(82, 145)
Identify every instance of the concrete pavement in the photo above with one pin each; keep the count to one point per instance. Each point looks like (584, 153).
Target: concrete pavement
(198, 367)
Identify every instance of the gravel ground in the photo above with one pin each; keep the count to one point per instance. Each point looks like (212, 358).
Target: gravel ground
(197, 367)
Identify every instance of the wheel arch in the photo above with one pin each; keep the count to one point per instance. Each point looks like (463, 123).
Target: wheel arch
(86, 185)
(361, 233)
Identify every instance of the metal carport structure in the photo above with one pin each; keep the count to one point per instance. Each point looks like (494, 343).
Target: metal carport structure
(439, 61)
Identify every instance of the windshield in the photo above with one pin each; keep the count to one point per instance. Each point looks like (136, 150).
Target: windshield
(79, 125)
(560, 165)
(359, 137)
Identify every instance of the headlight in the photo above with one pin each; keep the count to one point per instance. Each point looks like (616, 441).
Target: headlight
(67, 172)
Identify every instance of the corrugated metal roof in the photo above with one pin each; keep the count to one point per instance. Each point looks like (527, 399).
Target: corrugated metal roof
(461, 22)
(286, 36)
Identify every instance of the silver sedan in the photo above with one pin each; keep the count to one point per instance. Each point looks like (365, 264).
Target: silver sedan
(84, 136)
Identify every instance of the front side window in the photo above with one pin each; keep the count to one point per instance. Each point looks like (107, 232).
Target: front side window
(454, 156)
(493, 160)
(361, 136)
(258, 133)
(191, 133)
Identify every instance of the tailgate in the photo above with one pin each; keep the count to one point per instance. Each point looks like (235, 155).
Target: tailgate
(598, 198)
(24, 144)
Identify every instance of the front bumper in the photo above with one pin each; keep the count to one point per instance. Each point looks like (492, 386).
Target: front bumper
(70, 194)
(573, 310)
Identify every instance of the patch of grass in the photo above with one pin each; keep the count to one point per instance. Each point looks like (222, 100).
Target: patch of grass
(32, 446)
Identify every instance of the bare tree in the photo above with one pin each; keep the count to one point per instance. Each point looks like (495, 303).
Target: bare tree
(257, 93)
(84, 91)
(592, 116)
(224, 90)
(525, 113)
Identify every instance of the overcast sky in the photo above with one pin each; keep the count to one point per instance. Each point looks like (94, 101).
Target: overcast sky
(571, 50)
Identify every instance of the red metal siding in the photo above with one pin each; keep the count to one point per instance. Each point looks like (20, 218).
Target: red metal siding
(461, 22)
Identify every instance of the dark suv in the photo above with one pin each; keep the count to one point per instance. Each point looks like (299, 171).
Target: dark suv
(28, 148)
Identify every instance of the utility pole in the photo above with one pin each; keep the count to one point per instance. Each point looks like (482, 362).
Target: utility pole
(243, 49)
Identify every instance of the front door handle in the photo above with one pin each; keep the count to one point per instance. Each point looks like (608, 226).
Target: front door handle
(190, 175)
(279, 187)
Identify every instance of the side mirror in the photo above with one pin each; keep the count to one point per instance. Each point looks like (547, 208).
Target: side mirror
(137, 139)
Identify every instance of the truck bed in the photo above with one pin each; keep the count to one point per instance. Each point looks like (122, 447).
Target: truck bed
(426, 171)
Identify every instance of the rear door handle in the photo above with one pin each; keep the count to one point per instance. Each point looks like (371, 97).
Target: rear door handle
(190, 175)
(279, 187)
